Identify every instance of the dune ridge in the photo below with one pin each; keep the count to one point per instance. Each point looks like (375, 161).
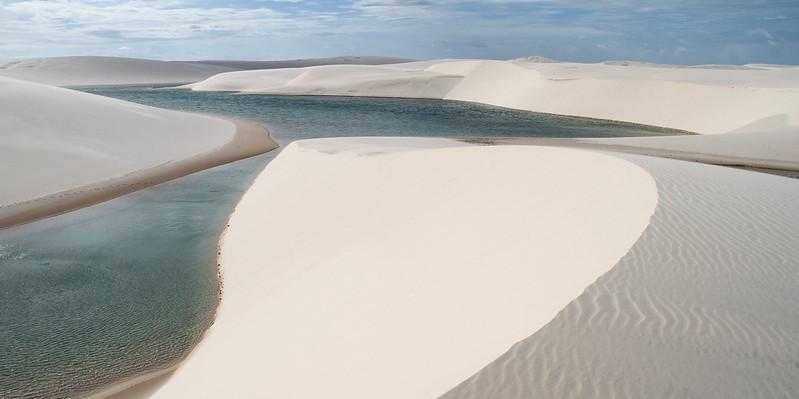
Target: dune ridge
(101, 71)
(64, 149)
(703, 305)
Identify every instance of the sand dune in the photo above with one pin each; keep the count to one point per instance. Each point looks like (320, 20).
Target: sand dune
(301, 63)
(703, 306)
(758, 103)
(396, 271)
(427, 257)
(339, 80)
(63, 149)
(98, 71)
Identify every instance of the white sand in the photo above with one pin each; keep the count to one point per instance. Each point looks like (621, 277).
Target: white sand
(365, 268)
(711, 100)
(703, 306)
(98, 71)
(341, 80)
(61, 145)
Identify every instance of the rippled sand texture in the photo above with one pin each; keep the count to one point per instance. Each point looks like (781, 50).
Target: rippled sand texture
(703, 306)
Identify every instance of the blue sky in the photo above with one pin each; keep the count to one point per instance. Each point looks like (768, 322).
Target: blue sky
(666, 31)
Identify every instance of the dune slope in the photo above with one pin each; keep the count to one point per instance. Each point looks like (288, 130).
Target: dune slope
(703, 306)
(365, 268)
(62, 149)
(97, 71)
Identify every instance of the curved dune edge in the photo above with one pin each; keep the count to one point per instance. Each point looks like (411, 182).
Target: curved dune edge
(704, 305)
(304, 303)
(249, 139)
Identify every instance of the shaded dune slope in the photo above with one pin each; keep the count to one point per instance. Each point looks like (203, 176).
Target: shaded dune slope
(703, 306)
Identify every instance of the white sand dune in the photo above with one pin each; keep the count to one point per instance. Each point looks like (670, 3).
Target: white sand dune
(703, 306)
(98, 71)
(339, 80)
(365, 268)
(61, 149)
(759, 103)
(304, 62)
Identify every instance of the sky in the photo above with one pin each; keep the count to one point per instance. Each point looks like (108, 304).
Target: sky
(664, 31)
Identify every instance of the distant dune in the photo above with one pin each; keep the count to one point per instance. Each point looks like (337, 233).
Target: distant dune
(63, 149)
(628, 276)
(96, 71)
(759, 104)
(344, 60)
(100, 71)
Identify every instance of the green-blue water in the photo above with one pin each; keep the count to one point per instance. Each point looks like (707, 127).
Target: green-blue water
(114, 290)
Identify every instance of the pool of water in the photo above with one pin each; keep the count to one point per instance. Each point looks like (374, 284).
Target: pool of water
(114, 290)
(301, 117)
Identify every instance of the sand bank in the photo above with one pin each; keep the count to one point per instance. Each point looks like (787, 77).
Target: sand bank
(759, 104)
(382, 268)
(63, 149)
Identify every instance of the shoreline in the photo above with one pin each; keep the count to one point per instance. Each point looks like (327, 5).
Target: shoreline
(140, 381)
(249, 139)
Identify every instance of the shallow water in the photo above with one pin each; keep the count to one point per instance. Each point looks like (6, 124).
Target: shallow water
(114, 290)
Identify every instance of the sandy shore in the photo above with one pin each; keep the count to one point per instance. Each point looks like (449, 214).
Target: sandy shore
(65, 149)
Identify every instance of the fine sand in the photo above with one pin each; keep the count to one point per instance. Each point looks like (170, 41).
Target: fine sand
(63, 149)
(703, 306)
(759, 104)
(397, 271)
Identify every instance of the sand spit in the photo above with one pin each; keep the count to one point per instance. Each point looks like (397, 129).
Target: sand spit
(757, 103)
(63, 149)
(398, 271)
(100, 71)
(703, 306)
